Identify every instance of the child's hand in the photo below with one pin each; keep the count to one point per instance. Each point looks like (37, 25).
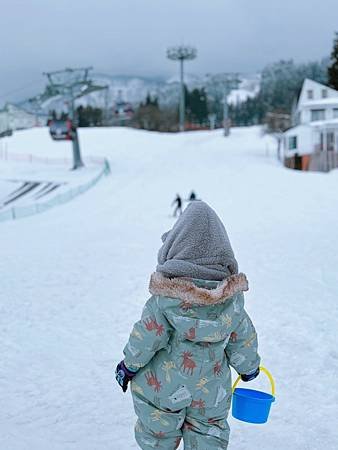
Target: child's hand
(250, 376)
(123, 375)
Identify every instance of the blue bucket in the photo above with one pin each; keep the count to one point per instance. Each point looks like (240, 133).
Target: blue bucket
(249, 405)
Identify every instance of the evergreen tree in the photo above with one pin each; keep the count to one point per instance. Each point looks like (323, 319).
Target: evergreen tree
(197, 106)
(148, 115)
(332, 70)
(89, 116)
(280, 85)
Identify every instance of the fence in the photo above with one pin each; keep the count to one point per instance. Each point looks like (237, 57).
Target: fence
(324, 161)
(318, 161)
(5, 155)
(25, 211)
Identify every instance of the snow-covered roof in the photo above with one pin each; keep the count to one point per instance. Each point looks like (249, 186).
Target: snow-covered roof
(294, 130)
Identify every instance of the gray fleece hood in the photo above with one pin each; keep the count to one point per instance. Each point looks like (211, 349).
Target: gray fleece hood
(197, 246)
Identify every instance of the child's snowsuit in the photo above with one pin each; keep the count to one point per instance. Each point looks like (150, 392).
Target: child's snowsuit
(189, 334)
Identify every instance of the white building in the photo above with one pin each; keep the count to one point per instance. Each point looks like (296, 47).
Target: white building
(315, 120)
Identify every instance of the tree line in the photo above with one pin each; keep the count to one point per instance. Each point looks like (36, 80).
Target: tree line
(279, 88)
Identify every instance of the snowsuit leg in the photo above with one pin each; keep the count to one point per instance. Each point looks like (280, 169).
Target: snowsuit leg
(207, 428)
(156, 428)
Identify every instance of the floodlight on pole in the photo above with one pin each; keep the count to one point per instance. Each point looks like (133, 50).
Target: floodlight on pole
(182, 53)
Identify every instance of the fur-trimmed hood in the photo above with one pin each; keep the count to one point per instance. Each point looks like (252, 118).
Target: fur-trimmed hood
(186, 290)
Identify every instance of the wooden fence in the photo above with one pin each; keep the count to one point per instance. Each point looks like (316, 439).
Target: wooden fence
(316, 162)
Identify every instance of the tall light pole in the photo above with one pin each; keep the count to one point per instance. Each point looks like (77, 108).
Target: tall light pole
(182, 53)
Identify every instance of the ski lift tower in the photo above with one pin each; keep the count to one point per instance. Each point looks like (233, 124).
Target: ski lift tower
(182, 53)
(71, 84)
(229, 81)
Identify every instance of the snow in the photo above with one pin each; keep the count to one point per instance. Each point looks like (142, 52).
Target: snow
(248, 88)
(237, 96)
(74, 279)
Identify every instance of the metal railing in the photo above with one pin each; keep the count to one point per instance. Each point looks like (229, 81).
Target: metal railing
(20, 212)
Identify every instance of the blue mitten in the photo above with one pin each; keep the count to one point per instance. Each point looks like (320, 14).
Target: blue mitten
(123, 375)
(250, 376)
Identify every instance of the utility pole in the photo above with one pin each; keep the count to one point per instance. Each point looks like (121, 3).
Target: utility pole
(181, 54)
(71, 84)
(229, 81)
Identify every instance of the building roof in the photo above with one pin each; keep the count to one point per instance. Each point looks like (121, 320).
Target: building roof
(295, 129)
(318, 124)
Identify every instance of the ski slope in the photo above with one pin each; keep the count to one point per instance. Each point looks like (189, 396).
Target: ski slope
(74, 280)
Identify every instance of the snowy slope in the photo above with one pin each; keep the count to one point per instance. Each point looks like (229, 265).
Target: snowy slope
(74, 280)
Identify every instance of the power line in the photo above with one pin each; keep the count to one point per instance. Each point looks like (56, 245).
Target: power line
(20, 89)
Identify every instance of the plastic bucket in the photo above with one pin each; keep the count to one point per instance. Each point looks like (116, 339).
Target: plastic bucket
(249, 405)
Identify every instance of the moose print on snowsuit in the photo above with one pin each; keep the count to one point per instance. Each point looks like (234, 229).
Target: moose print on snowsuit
(190, 332)
(153, 381)
(188, 364)
(152, 325)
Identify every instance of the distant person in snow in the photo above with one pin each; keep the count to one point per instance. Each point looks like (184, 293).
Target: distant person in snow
(193, 327)
(178, 202)
(192, 196)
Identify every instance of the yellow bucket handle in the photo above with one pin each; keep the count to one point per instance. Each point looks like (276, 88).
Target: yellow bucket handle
(267, 373)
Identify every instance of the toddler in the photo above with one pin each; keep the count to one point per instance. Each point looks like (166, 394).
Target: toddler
(193, 328)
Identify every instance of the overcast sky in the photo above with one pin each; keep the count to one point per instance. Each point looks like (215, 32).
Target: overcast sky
(131, 36)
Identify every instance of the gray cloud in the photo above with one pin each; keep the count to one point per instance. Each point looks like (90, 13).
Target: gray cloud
(131, 36)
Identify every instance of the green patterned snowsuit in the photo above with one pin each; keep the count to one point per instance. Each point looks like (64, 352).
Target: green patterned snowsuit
(189, 334)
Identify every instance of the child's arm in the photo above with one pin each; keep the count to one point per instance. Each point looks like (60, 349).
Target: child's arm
(149, 335)
(241, 349)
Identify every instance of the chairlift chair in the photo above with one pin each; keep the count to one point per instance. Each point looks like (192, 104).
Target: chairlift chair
(61, 130)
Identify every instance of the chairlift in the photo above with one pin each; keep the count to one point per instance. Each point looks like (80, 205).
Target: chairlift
(61, 130)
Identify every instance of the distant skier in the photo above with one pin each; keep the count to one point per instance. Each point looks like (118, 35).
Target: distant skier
(178, 201)
(192, 196)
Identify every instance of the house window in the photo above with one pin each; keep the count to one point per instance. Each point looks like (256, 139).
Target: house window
(292, 142)
(317, 114)
(335, 113)
(310, 94)
(324, 93)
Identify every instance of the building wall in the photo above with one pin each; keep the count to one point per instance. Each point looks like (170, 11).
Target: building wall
(304, 140)
(305, 113)
(317, 89)
(318, 100)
